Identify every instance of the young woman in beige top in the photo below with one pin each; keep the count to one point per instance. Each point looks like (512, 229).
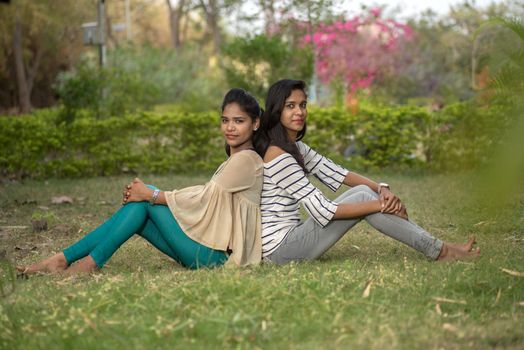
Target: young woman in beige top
(199, 226)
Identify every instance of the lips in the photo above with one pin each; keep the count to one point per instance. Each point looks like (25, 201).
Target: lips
(230, 137)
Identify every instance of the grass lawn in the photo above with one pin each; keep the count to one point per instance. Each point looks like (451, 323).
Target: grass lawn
(142, 299)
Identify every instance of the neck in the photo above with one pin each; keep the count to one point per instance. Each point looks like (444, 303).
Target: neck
(292, 136)
(242, 147)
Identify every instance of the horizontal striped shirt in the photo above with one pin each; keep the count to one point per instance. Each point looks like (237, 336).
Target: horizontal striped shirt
(286, 187)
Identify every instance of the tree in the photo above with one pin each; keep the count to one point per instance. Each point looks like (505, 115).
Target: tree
(255, 63)
(177, 11)
(355, 52)
(37, 40)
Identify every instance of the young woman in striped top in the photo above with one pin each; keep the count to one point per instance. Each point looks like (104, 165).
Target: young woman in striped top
(287, 161)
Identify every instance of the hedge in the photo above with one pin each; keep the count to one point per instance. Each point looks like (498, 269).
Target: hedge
(40, 145)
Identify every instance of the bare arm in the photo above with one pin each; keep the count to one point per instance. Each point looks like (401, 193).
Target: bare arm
(355, 210)
(388, 203)
(353, 179)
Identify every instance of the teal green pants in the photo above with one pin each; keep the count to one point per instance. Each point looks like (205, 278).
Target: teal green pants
(153, 222)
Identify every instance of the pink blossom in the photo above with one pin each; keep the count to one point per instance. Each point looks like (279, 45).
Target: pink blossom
(358, 50)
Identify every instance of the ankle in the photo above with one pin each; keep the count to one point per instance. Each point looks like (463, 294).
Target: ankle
(443, 252)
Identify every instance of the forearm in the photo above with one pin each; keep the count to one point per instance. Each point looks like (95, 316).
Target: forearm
(353, 179)
(355, 210)
(161, 199)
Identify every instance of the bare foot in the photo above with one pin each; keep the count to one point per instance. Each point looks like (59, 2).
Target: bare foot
(466, 247)
(84, 265)
(53, 264)
(451, 252)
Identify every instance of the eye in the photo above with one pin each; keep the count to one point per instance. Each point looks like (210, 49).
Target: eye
(303, 105)
(223, 120)
(290, 105)
(239, 121)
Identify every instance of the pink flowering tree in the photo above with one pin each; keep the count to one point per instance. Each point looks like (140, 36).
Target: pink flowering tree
(356, 52)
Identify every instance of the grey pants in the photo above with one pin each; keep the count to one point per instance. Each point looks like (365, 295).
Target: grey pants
(309, 240)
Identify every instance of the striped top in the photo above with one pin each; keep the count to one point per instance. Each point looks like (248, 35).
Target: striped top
(286, 187)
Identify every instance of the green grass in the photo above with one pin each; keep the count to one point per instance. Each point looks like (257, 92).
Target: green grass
(144, 300)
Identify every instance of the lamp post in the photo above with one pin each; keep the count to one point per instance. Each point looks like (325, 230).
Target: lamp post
(101, 33)
(94, 33)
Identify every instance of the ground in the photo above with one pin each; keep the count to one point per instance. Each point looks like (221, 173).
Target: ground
(367, 292)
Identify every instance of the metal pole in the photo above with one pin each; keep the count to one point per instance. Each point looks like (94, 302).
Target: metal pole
(101, 32)
(128, 21)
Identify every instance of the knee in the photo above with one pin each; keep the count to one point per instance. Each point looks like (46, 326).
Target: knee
(360, 193)
(136, 205)
(366, 189)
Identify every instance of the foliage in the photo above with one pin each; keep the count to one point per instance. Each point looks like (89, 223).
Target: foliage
(465, 135)
(41, 146)
(136, 78)
(356, 51)
(505, 62)
(257, 62)
(436, 65)
(51, 42)
(461, 136)
(377, 136)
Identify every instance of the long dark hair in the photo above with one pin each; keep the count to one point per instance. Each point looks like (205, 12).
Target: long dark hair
(273, 131)
(250, 105)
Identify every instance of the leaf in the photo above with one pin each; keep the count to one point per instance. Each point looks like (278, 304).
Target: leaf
(62, 200)
(449, 327)
(498, 296)
(437, 309)
(512, 272)
(449, 301)
(367, 289)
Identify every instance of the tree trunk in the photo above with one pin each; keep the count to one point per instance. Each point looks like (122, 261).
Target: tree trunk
(211, 11)
(24, 91)
(176, 14)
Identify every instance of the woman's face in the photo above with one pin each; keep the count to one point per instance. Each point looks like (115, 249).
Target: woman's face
(294, 113)
(237, 127)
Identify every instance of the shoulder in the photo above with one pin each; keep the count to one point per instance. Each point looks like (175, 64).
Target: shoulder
(245, 160)
(273, 152)
(303, 148)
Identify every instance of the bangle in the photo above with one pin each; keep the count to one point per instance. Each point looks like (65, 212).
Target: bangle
(380, 185)
(154, 197)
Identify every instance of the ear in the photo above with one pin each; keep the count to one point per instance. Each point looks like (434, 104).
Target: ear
(256, 125)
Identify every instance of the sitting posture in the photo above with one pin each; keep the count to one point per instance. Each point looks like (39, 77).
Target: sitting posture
(287, 161)
(199, 226)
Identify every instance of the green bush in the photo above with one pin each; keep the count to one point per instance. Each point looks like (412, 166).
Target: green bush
(373, 137)
(137, 78)
(464, 135)
(40, 145)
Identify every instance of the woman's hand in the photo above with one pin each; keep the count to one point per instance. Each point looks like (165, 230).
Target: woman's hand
(136, 191)
(402, 213)
(389, 202)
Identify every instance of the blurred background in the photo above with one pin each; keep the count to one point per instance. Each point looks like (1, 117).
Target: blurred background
(408, 84)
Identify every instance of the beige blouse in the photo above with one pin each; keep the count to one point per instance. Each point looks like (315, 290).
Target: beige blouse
(225, 213)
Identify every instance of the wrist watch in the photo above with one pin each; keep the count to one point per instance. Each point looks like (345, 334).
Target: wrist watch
(382, 184)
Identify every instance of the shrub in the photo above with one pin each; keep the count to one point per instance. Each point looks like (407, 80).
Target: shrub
(40, 145)
(373, 137)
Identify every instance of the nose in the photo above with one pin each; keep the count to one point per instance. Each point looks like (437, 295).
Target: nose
(230, 126)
